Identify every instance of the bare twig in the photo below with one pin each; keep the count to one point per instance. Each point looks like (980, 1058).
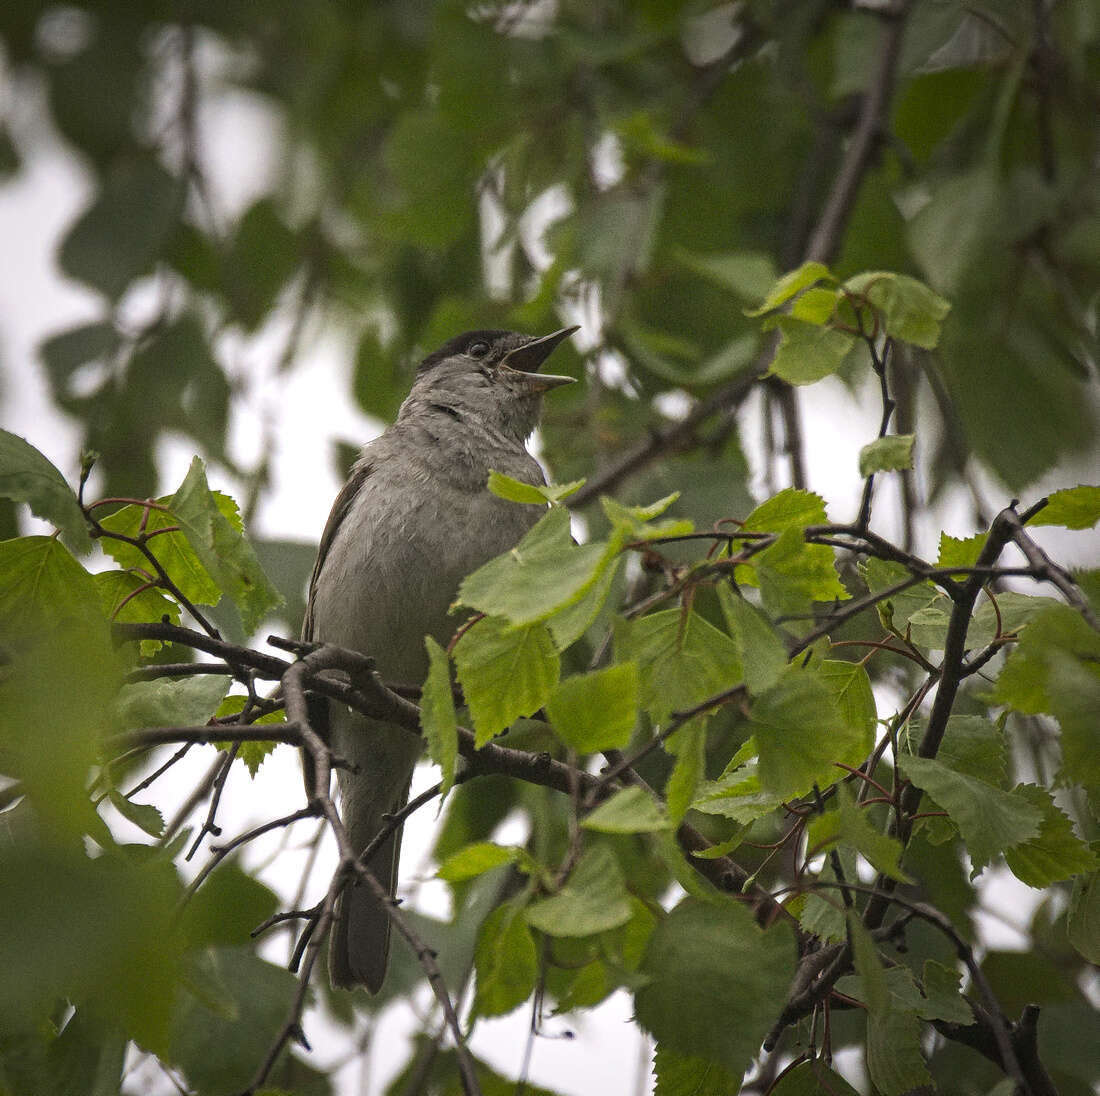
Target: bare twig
(879, 364)
(209, 826)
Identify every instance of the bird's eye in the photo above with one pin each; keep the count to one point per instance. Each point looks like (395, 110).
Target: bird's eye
(478, 349)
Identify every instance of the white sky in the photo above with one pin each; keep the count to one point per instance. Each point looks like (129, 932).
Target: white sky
(308, 408)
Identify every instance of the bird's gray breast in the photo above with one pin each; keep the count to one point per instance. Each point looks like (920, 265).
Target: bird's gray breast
(422, 520)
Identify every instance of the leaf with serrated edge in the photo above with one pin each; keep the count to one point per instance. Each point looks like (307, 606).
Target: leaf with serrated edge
(800, 732)
(474, 860)
(514, 490)
(894, 1057)
(597, 710)
(505, 673)
(630, 810)
(1056, 853)
(225, 553)
(943, 999)
(187, 701)
(682, 659)
(717, 981)
(27, 476)
(685, 1075)
(506, 962)
(1074, 508)
(593, 899)
(989, 820)
(910, 311)
(1083, 917)
(541, 575)
(894, 453)
(808, 352)
(763, 653)
(437, 715)
(789, 284)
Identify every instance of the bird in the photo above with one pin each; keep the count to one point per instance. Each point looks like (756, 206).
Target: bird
(414, 518)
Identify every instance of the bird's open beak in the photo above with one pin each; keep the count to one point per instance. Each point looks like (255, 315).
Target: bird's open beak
(525, 360)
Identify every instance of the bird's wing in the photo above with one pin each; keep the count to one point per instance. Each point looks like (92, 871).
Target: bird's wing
(359, 473)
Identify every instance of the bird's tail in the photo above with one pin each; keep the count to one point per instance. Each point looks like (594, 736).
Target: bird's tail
(360, 944)
(381, 758)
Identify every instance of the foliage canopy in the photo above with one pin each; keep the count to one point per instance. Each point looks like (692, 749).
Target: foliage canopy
(765, 753)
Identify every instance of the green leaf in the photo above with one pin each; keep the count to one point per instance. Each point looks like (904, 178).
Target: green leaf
(1075, 508)
(816, 305)
(763, 653)
(1010, 613)
(631, 810)
(822, 912)
(960, 553)
(894, 1058)
(865, 959)
(890, 454)
(1074, 686)
(989, 820)
(180, 702)
(851, 825)
(682, 659)
(1024, 682)
(126, 596)
(27, 476)
(896, 610)
(218, 1053)
(171, 549)
(1083, 918)
(748, 274)
(791, 574)
(684, 1075)
(475, 860)
(262, 256)
(544, 573)
(737, 795)
(226, 908)
(943, 997)
(946, 233)
(569, 624)
(910, 311)
(717, 981)
(689, 747)
(506, 962)
(791, 508)
(433, 166)
(1056, 853)
(143, 815)
(121, 234)
(598, 710)
(633, 521)
(505, 673)
(250, 754)
(515, 490)
(800, 732)
(851, 689)
(593, 899)
(790, 284)
(60, 675)
(808, 352)
(437, 714)
(975, 746)
(225, 553)
(96, 930)
(812, 1078)
(42, 586)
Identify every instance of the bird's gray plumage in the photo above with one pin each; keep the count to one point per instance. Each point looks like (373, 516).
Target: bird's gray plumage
(414, 518)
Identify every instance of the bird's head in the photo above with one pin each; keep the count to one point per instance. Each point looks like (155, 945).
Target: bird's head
(490, 377)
